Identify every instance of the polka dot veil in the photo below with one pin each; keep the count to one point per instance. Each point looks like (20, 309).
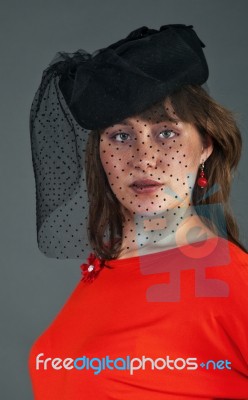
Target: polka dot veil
(115, 163)
(151, 163)
(58, 149)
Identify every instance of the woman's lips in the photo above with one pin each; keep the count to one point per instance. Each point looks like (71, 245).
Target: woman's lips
(145, 186)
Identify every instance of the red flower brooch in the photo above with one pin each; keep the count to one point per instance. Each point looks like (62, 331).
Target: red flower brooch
(92, 269)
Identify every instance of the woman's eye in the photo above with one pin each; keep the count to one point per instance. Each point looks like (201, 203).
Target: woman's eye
(121, 137)
(167, 134)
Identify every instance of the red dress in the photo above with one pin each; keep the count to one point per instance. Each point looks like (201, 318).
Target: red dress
(178, 317)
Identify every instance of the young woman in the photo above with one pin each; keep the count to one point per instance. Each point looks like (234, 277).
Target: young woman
(129, 140)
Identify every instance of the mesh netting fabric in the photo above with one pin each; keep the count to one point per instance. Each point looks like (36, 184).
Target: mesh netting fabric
(58, 153)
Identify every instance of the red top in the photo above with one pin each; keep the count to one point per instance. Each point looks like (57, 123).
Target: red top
(182, 308)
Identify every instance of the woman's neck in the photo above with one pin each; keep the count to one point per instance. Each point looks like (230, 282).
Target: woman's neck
(144, 234)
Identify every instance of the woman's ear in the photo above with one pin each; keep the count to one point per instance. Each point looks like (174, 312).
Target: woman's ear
(207, 147)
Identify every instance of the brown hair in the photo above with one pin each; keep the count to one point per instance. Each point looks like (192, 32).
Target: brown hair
(191, 104)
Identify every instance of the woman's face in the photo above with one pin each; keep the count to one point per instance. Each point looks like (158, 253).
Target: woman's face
(152, 167)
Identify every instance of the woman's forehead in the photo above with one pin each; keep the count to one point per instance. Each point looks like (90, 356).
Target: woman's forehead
(162, 112)
(135, 122)
(141, 120)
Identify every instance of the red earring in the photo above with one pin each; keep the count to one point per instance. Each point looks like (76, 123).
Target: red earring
(202, 180)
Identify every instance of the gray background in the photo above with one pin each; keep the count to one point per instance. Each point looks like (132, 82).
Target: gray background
(34, 287)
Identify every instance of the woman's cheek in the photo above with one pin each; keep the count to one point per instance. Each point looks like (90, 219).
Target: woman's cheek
(114, 173)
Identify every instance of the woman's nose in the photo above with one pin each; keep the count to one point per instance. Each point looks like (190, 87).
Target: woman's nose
(144, 156)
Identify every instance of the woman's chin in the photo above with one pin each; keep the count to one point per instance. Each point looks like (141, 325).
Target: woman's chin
(146, 211)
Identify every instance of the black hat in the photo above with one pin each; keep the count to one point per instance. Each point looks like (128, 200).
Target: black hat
(129, 76)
